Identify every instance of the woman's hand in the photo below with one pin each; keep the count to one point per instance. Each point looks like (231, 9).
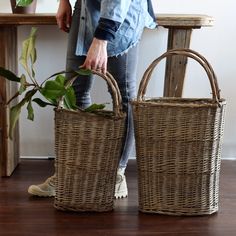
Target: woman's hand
(97, 56)
(64, 15)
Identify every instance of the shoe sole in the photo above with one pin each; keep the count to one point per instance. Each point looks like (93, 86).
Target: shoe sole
(33, 190)
(120, 195)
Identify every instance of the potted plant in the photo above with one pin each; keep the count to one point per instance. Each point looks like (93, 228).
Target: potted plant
(53, 91)
(23, 6)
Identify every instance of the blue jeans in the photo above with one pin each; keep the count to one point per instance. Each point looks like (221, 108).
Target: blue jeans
(123, 68)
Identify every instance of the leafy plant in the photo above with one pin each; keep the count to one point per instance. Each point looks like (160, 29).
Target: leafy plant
(23, 3)
(55, 90)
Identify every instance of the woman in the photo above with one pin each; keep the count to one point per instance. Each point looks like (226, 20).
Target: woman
(104, 35)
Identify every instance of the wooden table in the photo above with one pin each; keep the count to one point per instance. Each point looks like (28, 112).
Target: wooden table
(179, 34)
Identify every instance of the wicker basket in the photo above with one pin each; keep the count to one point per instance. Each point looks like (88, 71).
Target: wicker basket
(178, 145)
(88, 149)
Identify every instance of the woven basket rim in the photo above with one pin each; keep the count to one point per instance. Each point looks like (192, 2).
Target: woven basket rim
(179, 99)
(179, 102)
(109, 114)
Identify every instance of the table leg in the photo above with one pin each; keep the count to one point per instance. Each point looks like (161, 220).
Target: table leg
(176, 65)
(9, 152)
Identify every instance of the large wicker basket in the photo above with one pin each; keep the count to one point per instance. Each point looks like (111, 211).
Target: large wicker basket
(178, 144)
(88, 149)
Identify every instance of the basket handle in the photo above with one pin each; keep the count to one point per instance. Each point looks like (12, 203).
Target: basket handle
(181, 52)
(209, 67)
(115, 92)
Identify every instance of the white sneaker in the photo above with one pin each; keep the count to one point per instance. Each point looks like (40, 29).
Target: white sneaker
(46, 189)
(121, 190)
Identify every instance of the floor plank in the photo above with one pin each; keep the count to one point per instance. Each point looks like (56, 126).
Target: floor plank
(23, 215)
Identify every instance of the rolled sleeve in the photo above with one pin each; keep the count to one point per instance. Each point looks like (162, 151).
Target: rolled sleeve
(106, 29)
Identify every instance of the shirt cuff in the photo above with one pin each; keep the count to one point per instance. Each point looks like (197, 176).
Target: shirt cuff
(106, 29)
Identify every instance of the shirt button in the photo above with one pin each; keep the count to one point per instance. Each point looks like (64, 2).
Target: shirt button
(82, 17)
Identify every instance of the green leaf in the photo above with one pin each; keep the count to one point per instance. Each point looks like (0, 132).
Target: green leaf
(53, 90)
(58, 73)
(23, 3)
(23, 58)
(53, 101)
(22, 84)
(33, 72)
(33, 54)
(41, 103)
(70, 99)
(95, 107)
(15, 111)
(32, 50)
(33, 32)
(30, 111)
(83, 72)
(60, 79)
(14, 116)
(9, 75)
(28, 49)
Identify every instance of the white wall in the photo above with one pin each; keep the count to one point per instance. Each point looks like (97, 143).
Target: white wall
(215, 43)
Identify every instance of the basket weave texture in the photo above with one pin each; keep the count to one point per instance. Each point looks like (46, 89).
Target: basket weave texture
(178, 145)
(88, 149)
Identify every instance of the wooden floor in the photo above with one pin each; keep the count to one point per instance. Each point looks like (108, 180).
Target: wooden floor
(23, 215)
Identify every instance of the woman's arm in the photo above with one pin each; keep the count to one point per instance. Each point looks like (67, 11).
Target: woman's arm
(113, 13)
(64, 14)
(96, 58)
(97, 54)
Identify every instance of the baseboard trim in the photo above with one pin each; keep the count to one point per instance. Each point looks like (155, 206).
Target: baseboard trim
(131, 158)
(38, 157)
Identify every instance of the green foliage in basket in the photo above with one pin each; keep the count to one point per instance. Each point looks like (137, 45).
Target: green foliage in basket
(55, 90)
(95, 107)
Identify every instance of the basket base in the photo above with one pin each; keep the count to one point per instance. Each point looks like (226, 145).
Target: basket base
(63, 207)
(161, 212)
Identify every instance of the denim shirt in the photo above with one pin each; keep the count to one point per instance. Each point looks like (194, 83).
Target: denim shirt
(132, 14)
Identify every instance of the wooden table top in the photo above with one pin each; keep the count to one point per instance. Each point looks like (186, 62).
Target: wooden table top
(166, 20)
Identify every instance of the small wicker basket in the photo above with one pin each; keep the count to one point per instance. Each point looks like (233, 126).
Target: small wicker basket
(178, 145)
(88, 149)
